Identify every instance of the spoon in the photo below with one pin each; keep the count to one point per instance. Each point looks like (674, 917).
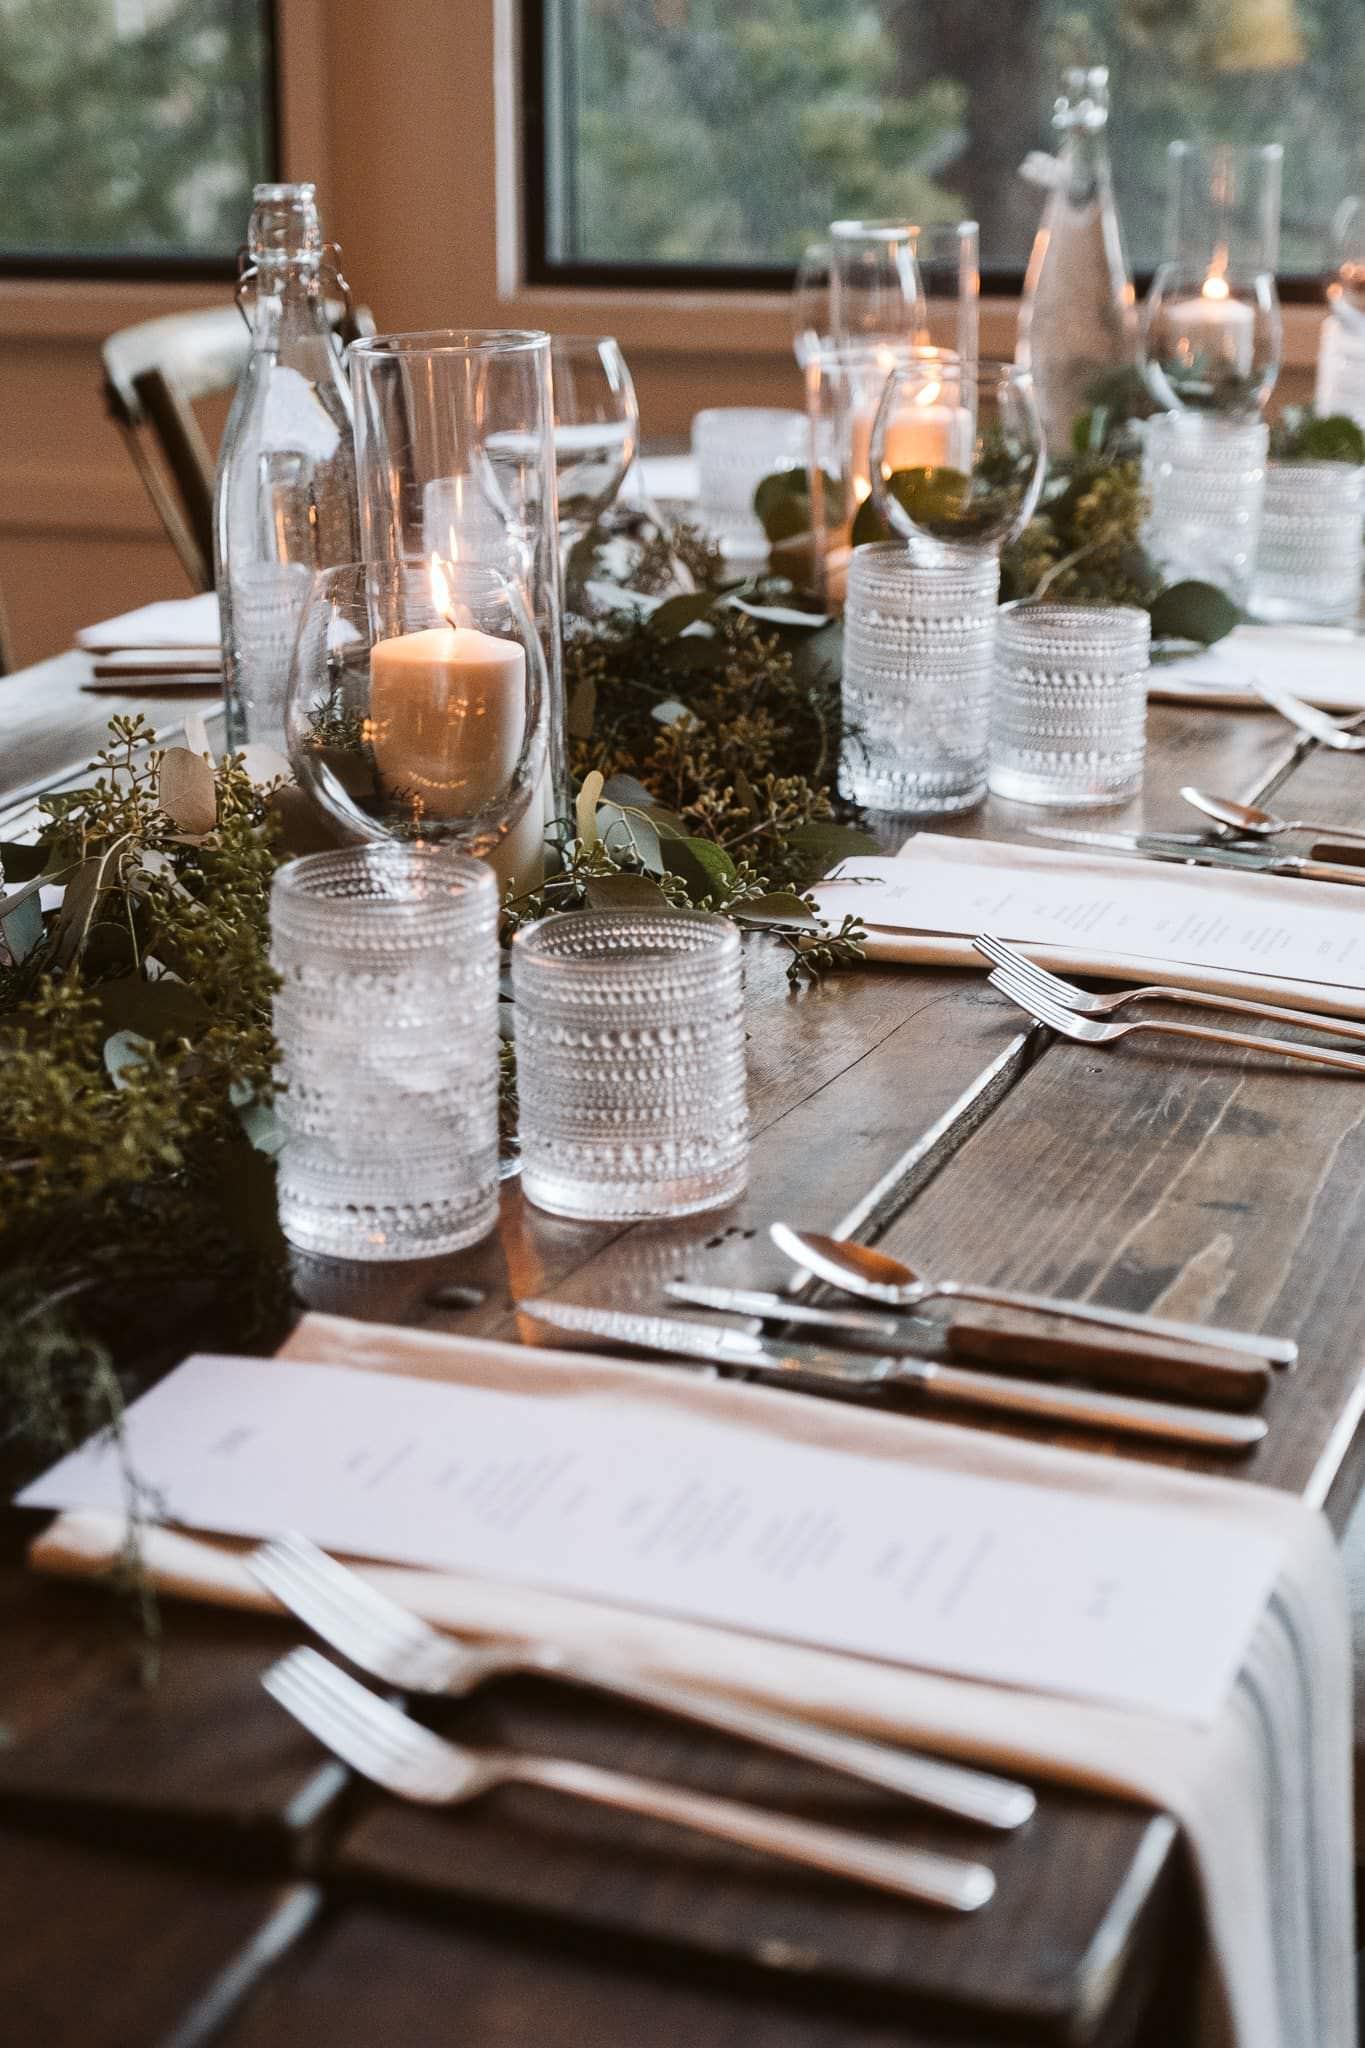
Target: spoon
(1258, 824)
(859, 1269)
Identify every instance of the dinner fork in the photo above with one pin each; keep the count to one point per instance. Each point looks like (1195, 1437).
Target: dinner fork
(1090, 1031)
(1309, 719)
(377, 1635)
(378, 1740)
(1030, 975)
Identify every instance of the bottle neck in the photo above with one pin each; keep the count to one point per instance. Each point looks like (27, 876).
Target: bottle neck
(289, 301)
(1084, 156)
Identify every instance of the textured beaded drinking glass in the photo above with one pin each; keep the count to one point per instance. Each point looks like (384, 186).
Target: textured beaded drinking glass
(1069, 711)
(1309, 559)
(735, 447)
(1205, 479)
(630, 1063)
(387, 1022)
(918, 647)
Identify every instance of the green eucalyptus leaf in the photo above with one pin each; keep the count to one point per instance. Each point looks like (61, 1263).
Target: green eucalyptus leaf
(624, 789)
(122, 1050)
(821, 844)
(624, 892)
(782, 907)
(585, 807)
(21, 927)
(263, 1129)
(869, 525)
(692, 655)
(676, 614)
(582, 709)
(20, 862)
(706, 868)
(625, 829)
(153, 1009)
(1193, 611)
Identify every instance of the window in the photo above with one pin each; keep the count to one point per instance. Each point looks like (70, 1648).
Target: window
(707, 141)
(131, 132)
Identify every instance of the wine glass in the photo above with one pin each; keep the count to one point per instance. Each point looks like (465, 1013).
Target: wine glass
(596, 427)
(417, 704)
(811, 322)
(1212, 336)
(875, 289)
(957, 452)
(1346, 291)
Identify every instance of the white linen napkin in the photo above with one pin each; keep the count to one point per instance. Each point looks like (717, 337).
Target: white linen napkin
(182, 622)
(1324, 665)
(1263, 1794)
(1062, 905)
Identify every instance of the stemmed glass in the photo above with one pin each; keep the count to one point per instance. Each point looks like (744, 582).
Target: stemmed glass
(957, 453)
(596, 427)
(875, 289)
(417, 706)
(811, 320)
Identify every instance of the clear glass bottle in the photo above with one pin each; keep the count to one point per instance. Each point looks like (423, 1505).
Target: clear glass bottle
(285, 502)
(1078, 319)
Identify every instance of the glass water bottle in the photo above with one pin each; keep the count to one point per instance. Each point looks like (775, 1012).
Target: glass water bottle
(1077, 321)
(285, 501)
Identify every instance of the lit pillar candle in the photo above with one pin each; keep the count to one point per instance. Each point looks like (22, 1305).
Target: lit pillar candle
(1215, 324)
(921, 436)
(447, 719)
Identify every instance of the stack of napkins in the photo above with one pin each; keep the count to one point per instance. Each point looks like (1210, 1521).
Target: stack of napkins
(176, 641)
(1324, 665)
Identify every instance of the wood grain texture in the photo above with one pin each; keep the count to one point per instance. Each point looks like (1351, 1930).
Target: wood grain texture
(382, 1976)
(200, 1760)
(106, 1950)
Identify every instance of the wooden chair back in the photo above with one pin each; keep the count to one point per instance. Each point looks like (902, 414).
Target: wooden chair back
(153, 375)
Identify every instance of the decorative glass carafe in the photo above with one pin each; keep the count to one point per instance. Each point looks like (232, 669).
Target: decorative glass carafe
(1077, 320)
(285, 503)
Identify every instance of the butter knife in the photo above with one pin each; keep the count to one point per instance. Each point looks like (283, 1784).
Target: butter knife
(812, 1367)
(1167, 846)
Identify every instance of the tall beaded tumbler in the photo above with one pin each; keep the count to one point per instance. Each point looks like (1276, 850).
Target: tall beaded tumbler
(387, 1023)
(630, 1063)
(455, 457)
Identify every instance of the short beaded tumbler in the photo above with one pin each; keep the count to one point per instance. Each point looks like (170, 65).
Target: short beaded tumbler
(918, 646)
(387, 1021)
(1309, 559)
(630, 1063)
(1069, 714)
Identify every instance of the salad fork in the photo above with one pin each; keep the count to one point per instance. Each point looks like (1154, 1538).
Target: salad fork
(1309, 719)
(1029, 975)
(378, 1740)
(391, 1643)
(1090, 1030)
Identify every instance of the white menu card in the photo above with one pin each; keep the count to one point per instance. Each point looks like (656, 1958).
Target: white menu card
(905, 1561)
(1142, 909)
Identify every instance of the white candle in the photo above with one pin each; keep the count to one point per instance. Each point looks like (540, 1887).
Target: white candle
(447, 720)
(1215, 324)
(921, 436)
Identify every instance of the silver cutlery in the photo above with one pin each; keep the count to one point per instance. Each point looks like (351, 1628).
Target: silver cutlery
(1205, 854)
(1003, 1336)
(378, 1636)
(862, 1269)
(1308, 718)
(1030, 976)
(1253, 823)
(804, 1366)
(1090, 1031)
(782, 1308)
(378, 1740)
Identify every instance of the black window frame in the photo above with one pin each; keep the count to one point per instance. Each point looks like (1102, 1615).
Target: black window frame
(541, 269)
(165, 266)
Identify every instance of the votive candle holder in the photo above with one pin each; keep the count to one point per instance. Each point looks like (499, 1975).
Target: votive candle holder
(1069, 712)
(1308, 563)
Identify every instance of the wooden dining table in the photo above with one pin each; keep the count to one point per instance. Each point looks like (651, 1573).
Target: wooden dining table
(181, 1864)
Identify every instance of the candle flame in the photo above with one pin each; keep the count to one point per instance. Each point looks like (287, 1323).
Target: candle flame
(930, 394)
(1215, 285)
(440, 589)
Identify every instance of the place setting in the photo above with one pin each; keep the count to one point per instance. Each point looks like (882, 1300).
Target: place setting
(687, 1166)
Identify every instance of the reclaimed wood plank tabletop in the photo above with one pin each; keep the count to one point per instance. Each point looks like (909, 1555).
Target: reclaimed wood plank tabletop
(1206, 1184)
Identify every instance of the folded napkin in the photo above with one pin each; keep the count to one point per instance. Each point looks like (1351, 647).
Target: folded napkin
(1324, 665)
(1120, 919)
(178, 623)
(1263, 1793)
